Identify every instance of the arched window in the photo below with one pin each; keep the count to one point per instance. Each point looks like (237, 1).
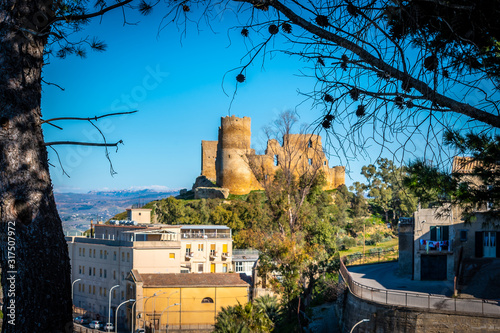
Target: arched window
(207, 300)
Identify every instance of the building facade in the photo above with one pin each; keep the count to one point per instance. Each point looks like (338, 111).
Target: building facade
(105, 260)
(182, 301)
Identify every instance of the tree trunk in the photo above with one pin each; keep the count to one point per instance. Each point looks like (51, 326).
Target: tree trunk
(34, 255)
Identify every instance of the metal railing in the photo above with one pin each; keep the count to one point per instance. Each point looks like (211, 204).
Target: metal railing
(371, 257)
(419, 300)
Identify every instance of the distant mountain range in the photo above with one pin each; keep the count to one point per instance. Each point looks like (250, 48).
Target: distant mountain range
(77, 209)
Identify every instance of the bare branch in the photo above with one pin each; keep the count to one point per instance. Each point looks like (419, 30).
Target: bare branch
(76, 143)
(88, 119)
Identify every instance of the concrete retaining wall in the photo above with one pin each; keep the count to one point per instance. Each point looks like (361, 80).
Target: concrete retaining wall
(384, 318)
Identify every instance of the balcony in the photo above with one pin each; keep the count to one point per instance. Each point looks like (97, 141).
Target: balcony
(225, 255)
(213, 254)
(434, 246)
(189, 255)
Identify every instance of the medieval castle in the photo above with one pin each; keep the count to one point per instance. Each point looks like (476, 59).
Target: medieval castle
(228, 161)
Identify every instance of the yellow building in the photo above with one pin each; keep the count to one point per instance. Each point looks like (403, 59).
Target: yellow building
(182, 301)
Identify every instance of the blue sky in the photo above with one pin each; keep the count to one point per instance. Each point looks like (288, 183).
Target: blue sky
(177, 87)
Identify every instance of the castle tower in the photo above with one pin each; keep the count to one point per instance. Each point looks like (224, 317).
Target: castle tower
(232, 169)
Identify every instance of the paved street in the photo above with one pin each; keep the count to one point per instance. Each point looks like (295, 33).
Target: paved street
(384, 276)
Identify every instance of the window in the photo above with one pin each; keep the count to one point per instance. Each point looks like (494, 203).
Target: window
(104, 292)
(80, 251)
(90, 271)
(114, 255)
(123, 295)
(123, 256)
(212, 250)
(224, 268)
(94, 271)
(207, 300)
(128, 257)
(100, 291)
(200, 247)
(184, 270)
(90, 289)
(224, 248)
(100, 254)
(83, 252)
(93, 290)
(79, 287)
(238, 266)
(94, 253)
(440, 233)
(105, 254)
(463, 235)
(200, 268)
(123, 276)
(100, 272)
(171, 255)
(188, 249)
(105, 273)
(79, 269)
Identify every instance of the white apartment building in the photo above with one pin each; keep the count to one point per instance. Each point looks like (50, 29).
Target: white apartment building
(105, 259)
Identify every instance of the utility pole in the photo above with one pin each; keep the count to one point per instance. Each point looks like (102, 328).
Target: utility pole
(364, 241)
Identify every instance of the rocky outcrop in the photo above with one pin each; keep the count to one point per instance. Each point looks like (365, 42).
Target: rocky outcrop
(211, 193)
(202, 181)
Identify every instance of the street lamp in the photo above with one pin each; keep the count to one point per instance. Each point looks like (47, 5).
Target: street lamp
(155, 294)
(175, 304)
(133, 315)
(359, 322)
(72, 290)
(109, 307)
(154, 306)
(116, 314)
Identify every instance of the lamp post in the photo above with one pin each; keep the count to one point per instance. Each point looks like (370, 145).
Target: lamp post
(116, 314)
(154, 306)
(175, 304)
(133, 315)
(359, 322)
(72, 290)
(109, 307)
(155, 294)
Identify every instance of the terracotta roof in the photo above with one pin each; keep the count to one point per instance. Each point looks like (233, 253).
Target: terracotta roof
(468, 164)
(194, 280)
(464, 164)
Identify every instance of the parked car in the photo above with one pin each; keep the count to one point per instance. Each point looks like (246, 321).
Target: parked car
(96, 324)
(109, 327)
(82, 320)
(139, 330)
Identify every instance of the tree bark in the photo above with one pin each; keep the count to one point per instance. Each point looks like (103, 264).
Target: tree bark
(34, 254)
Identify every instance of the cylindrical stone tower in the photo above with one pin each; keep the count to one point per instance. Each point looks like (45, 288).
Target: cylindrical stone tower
(233, 171)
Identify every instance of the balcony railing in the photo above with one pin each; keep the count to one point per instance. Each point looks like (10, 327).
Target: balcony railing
(225, 255)
(434, 246)
(189, 255)
(205, 235)
(213, 254)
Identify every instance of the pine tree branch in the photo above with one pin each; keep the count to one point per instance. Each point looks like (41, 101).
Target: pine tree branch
(77, 143)
(427, 92)
(70, 18)
(88, 119)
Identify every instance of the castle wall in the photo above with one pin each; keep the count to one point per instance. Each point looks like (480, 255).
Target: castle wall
(233, 156)
(208, 155)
